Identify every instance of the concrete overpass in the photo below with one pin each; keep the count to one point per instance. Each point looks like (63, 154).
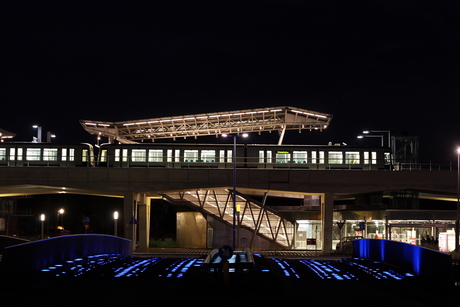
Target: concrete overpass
(138, 185)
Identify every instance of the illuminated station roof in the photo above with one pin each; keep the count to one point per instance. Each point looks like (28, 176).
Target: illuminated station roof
(6, 135)
(244, 121)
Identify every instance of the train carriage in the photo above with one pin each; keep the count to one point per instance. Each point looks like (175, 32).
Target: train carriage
(45, 154)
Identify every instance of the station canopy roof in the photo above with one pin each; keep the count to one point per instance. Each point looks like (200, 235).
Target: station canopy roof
(6, 135)
(232, 122)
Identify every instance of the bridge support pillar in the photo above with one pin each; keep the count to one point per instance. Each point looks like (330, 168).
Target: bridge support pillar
(144, 224)
(327, 209)
(129, 217)
(136, 214)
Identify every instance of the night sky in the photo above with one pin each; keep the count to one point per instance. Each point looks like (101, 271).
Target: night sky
(380, 65)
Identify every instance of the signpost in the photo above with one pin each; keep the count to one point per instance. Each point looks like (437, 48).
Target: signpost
(340, 225)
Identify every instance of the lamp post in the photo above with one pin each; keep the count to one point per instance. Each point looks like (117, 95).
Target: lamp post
(50, 136)
(60, 212)
(385, 131)
(234, 136)
(39, 133)
(457, 221)
(372, 136)
(115, 219)
(42, 219)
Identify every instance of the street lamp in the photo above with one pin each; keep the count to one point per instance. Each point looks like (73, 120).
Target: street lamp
(385, 131)
(42, 219)
(234, 136)
(457, 221)
(60, 212)
(371, 136)
(39, 133)
(115, 218)
(50, 136)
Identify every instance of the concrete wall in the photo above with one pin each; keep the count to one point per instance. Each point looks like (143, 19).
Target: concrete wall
(120, 180)
(35, 255)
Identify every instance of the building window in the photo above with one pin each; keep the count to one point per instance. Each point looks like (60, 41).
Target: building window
(208, 156)
(299, 156)
(156, 155)
(50, 154)
(352, 157)
(190, 155)
(335, 157)
(138, 155)
(32, 154)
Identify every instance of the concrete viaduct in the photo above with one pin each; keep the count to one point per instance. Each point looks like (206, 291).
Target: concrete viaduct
(137, 185)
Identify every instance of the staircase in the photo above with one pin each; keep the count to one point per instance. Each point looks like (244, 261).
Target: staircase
(253, 215)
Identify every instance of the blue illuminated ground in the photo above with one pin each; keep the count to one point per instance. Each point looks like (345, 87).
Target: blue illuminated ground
(115, 280)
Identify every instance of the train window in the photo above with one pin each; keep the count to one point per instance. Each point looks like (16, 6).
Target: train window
(177, 155)
(124, 155)
(208, 156)
(104, 155)
(283, 157)
(229, 156)
(352, 157)
(20, 152)
(72, 154)
(168, 155)
(138, 155)
(335, 157)
(321, 157)
(269, 156)
(50, 154)
(299, 156)
(191, 155)
(84, 155)
(261, 156)
(221, 156)
(374, 157)
(33, 154)
(2, 153)
(64, 154)
(366, 157)
(12, 154)
(117, 155)
(156, 155)
(387, 158)
(313, 157)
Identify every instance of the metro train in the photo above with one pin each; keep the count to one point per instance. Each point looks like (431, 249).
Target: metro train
(187, 155)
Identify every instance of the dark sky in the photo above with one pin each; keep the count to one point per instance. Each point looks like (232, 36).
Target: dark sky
(381, 65)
